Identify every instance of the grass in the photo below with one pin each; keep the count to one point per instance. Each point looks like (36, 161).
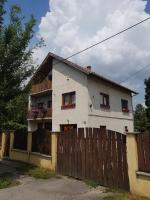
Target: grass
(91, 183)
(36, 172)
(124, 196)
(7, 180)
(41, 173)
(115, 190)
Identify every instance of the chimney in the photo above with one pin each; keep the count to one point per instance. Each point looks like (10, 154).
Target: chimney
(89, 68)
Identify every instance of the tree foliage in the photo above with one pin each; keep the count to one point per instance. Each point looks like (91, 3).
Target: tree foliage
(140, 118)
(15, 64)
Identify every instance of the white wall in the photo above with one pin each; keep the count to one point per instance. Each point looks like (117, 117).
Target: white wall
(66, 79)
(113, 118)
(32, 125)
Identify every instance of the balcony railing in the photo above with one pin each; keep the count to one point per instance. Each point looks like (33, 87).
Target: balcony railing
(36, 113)
(45, 85)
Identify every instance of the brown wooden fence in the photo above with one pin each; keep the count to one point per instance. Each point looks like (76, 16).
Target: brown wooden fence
(41, 141)
(143, 147)
(20, 139)
(95, 154)
(1, 138)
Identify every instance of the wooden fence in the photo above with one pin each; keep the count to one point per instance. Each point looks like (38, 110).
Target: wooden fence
(94, 154)
(20, 139)
(41, 141)
(143, 147)
(1, 138)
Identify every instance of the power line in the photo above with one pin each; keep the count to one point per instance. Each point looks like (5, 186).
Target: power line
(137, 72)
(104, 40)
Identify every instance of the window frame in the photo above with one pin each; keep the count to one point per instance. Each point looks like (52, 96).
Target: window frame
(125, 110)
(103, 105)
(70, 104)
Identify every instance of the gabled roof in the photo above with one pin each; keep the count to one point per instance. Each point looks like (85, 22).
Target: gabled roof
(81, 69)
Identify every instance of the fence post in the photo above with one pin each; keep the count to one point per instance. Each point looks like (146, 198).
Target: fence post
(3, 145)
(54, 150)
(132, 159)
(29, 144)
(139, 182)
(11, 143)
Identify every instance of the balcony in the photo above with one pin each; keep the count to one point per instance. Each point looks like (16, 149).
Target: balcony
(37, 114)
(41, 87)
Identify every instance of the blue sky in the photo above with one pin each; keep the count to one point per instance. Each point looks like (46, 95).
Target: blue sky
(36, 7)
(148, 6)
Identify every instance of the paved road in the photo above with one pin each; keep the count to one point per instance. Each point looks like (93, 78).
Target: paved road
(52, 189)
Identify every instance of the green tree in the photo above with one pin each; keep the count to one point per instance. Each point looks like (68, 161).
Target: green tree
(15, 64)
(140, 118)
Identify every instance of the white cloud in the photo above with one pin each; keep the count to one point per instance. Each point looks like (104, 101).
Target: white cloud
(73, 25)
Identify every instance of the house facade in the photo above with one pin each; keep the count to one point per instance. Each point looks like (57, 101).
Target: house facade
(65, 96)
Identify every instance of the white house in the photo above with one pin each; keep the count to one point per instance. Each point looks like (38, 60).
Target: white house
(65, 96)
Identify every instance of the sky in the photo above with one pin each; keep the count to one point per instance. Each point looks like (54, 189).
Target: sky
(69, 26)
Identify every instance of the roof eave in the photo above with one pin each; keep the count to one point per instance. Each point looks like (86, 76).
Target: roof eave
(114, 83)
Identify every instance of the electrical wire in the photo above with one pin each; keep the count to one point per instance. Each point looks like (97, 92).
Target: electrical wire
(104, 40)
(132, 75)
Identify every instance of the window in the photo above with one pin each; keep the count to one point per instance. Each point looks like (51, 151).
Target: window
(104, 101)
(124, 104)
(68, 100)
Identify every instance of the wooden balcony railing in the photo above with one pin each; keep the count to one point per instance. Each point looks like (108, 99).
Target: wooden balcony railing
(35, 113)
(45, 85)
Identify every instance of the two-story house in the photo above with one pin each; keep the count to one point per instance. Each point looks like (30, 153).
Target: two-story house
(65, 96)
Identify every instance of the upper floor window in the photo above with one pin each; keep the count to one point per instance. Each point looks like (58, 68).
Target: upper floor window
(124, 104)
(68, 100)
(104, 101)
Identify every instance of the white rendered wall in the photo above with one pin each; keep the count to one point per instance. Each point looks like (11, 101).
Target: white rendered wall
(66, 79)
(112, 118)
